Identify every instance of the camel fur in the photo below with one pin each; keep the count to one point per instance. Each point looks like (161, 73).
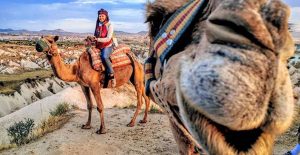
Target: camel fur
(226, 87)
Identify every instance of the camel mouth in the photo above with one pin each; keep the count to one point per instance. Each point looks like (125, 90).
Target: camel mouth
(206, 131)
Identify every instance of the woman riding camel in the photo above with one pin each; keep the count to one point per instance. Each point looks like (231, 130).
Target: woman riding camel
(104, 42)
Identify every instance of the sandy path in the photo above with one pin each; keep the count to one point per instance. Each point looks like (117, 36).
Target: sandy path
(154, 137)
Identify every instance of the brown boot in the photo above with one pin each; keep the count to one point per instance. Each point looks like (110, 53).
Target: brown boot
(113, 83)
(113, 80)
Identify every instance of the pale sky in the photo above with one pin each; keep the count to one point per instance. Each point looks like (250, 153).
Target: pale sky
(80, 15)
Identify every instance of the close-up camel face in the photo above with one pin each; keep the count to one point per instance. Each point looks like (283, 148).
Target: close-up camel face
(227, 73)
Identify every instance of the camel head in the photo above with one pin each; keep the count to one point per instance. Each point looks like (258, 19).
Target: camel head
(47, 44)
(229, 72)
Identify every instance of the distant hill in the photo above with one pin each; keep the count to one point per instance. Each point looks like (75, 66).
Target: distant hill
(6, 30)
(122, 33)
(58, 32)
(143, 32)
(42, 32)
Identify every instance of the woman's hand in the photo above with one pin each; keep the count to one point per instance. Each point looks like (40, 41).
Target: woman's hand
(90, 40)
(93, 38)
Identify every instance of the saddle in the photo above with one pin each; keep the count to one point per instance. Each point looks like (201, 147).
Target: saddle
(118, 57)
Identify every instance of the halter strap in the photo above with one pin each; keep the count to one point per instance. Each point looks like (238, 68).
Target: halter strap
(168, 36)
(50, 48)
(175, 27)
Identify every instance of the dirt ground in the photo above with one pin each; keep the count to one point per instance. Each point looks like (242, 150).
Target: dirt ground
(289, 139)
(154, 137)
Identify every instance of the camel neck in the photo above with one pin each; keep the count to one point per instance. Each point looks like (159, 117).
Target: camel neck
(64, 71)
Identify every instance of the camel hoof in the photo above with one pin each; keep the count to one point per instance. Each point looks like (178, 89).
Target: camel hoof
(103, 131)
(130, 125)
(86, 127)
(143, 121)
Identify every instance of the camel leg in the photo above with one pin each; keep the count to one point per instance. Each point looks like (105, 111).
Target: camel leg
(86, 93)
(138, 107)
(100, 108)
(185, 146)
(147, 101)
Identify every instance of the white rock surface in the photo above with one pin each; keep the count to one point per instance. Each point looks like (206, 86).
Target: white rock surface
(10, 103)
(31, 92)
(13, 64)
(39, 110)
(9, 70)
(29, 64)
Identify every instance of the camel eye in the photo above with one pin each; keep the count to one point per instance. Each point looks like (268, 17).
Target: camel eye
(276, 17)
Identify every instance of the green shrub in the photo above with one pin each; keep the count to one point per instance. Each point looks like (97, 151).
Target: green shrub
(60, 109)
(75, 107)
(20, 131)
(155, 109)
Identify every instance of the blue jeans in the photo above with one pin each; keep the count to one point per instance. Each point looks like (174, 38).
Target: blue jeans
(105, 53)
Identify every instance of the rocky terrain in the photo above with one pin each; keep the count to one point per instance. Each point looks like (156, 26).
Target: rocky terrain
(16, 58)
(294, 70)
(19, 56)
(29, 92)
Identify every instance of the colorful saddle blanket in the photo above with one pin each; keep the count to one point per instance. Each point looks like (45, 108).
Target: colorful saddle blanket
(118, 58)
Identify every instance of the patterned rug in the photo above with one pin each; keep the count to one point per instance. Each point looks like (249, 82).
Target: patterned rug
(118, 57)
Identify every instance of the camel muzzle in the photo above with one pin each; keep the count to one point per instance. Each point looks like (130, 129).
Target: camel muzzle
(225, 88)
(42, 46)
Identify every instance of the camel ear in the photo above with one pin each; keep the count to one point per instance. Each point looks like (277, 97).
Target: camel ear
(56, 38)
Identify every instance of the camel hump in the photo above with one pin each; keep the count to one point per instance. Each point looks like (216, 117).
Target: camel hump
(118, 58)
